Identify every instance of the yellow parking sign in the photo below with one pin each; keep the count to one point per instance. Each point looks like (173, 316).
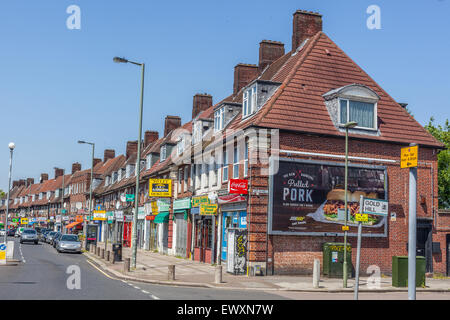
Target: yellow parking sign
(409, 156)
(24, 221)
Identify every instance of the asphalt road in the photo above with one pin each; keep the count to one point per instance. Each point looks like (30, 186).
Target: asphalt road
(45, 274)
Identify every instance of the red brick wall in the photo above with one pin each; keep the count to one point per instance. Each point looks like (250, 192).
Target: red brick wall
(295, 254)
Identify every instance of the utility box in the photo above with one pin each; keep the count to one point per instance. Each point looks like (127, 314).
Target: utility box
(333, 260)
(117, 251)
(400, 271)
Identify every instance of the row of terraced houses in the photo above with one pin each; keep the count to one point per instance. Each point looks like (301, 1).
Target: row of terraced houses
(270, 156)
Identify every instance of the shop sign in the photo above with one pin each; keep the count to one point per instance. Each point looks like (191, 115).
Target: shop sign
(129, 197)
(65, 218)
(16, 220)
(154, 206)
(375, 206)
(24, 221)
(160, 187)
(99, 215)
(128, 218)
(409, 156)
(208, 209)
(197, 201)
(141, 213)
(79, 218)
(110, 216)
(161, 205)
(238, 186)
(58, 219)
(119, 216)
(181, 204)
(231, 198)
(150, 218)
(305, 198)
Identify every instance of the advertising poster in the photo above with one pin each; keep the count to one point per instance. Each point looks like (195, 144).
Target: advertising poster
(308, 198)
(160, 187)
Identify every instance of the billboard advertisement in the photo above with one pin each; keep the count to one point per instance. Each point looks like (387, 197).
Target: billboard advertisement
(307, 198)
(160, 187)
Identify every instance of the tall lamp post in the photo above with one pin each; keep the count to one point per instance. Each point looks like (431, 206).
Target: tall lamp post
(138, 163)
(11, 146)
(62, 200)
(350, 124)
(90, 191)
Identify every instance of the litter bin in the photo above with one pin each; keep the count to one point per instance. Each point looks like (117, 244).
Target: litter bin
(333, 259)
(400, 271)
(117, 251)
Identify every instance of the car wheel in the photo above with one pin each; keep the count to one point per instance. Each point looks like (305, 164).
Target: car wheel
(21, 242)
(35, 242)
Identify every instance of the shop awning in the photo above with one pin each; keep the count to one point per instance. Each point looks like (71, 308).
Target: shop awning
(73, 224)
(184, 211)
(162, 217)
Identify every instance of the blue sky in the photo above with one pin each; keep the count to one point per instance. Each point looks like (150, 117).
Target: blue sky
(58, 86)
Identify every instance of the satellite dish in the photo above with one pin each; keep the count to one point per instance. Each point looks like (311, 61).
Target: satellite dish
(78, 205)
(123, 198)
(117, 204)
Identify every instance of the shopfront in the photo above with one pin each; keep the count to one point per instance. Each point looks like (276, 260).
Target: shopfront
(204, 232)
(234, 215)
(181, 209)
(162, 221)
(126, 230)
(140, 227)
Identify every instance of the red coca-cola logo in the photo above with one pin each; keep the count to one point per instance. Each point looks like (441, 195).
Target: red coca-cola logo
(238, 186)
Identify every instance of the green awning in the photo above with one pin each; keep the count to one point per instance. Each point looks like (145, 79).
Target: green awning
(162, 217)
(185, 212)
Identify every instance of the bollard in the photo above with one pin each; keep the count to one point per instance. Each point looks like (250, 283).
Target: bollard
(102, 253)
(98, 251)
(111, 258)
(107, 255)
(218, 274)
(316, 273)
(126, 265)
(171, 274)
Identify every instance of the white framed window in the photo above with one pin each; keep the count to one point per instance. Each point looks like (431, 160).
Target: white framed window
(163, 152)
(235, 163)
(197, 132)
(225, 167)
(180, 178)
(148, 161)
(185, 178)
(246, 159)
(249, 101)
(197, 176)
(219, 119)
(364, 113)
(180, 145)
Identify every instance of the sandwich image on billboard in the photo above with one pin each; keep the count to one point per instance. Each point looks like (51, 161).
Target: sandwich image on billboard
(308, 197)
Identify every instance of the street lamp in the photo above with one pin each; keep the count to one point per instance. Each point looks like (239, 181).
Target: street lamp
(350, 124)
(138, 163)
(90, 191)
(62, 199)
(11, 146)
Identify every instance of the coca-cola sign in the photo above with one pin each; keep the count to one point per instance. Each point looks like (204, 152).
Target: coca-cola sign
(239, 186)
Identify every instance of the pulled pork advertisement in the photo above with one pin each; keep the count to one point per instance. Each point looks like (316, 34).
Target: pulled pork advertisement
(309, 198)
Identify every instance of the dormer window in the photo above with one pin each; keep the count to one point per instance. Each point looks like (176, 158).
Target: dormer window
(163, 152)
(362, 113)
(354, 102)
(249, 101)
(219, 119)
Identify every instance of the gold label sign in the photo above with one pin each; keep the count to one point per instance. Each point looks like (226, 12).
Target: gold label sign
(409, 157)
(208, 209)
(362, 217)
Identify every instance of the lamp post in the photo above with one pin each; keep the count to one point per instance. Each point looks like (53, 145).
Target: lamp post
(350, 124)
(90, 191)
(11, 146)
(138, 163)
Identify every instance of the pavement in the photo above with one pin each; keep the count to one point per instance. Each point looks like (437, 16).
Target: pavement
(153, 267)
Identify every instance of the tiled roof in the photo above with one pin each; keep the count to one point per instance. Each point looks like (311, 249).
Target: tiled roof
(319, 67)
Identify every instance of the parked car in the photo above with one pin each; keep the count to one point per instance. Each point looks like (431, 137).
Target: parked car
(18, 232)
(29, 235)
(56, 239)
(68, 243)
(11, 232)
(50, 236)
(43, 234)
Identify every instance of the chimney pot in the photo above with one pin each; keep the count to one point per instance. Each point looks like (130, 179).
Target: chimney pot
(30, 181)
(200, 103)
(109, 154)
(150, 137)
(269, 51)
(97, 161)
(305, 25)
(131, 148)
(58, 172)
(76, 167)
(171, 123)
(44, 177)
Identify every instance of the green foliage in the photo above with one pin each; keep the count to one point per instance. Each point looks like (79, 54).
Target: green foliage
(2, 193)
(442, 133)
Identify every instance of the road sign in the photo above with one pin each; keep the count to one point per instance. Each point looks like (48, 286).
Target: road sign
(375, 206)
(345, 228)
(364, 217)
(129, 197)
(24, 221)
(409, 156)
(63, 211)
(2, 253)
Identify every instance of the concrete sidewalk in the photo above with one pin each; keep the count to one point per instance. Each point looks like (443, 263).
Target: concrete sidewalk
(152, 267)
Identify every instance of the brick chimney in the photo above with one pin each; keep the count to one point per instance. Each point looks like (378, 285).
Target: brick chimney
(30, 181)
(97, 161)
(150, 137)
(15, 183)
(44, 177)
(201, 103)
(76, 167)
(109, 154)
(305, 25)
(269, 51)
(243, 75)
(171, 123)
(22, 182)
(58, 172)
(131, 148)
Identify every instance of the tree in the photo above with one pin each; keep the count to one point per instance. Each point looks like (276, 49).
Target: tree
(442, 133)
(2, 194)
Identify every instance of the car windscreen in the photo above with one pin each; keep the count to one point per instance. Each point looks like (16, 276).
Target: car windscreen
(52, 233)
(69, 237)
(29, 231)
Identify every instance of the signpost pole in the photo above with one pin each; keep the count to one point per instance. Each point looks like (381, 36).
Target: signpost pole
(412, 234)
(358, 250)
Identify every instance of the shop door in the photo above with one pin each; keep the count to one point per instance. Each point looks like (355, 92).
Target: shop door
(127, 234)
(424, 243)
(236, 219)
(181, 240)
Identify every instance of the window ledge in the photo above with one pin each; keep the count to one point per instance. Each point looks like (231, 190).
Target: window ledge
(342, 126)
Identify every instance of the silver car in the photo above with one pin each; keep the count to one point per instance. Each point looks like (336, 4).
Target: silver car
(68, 243)
(29, 235)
